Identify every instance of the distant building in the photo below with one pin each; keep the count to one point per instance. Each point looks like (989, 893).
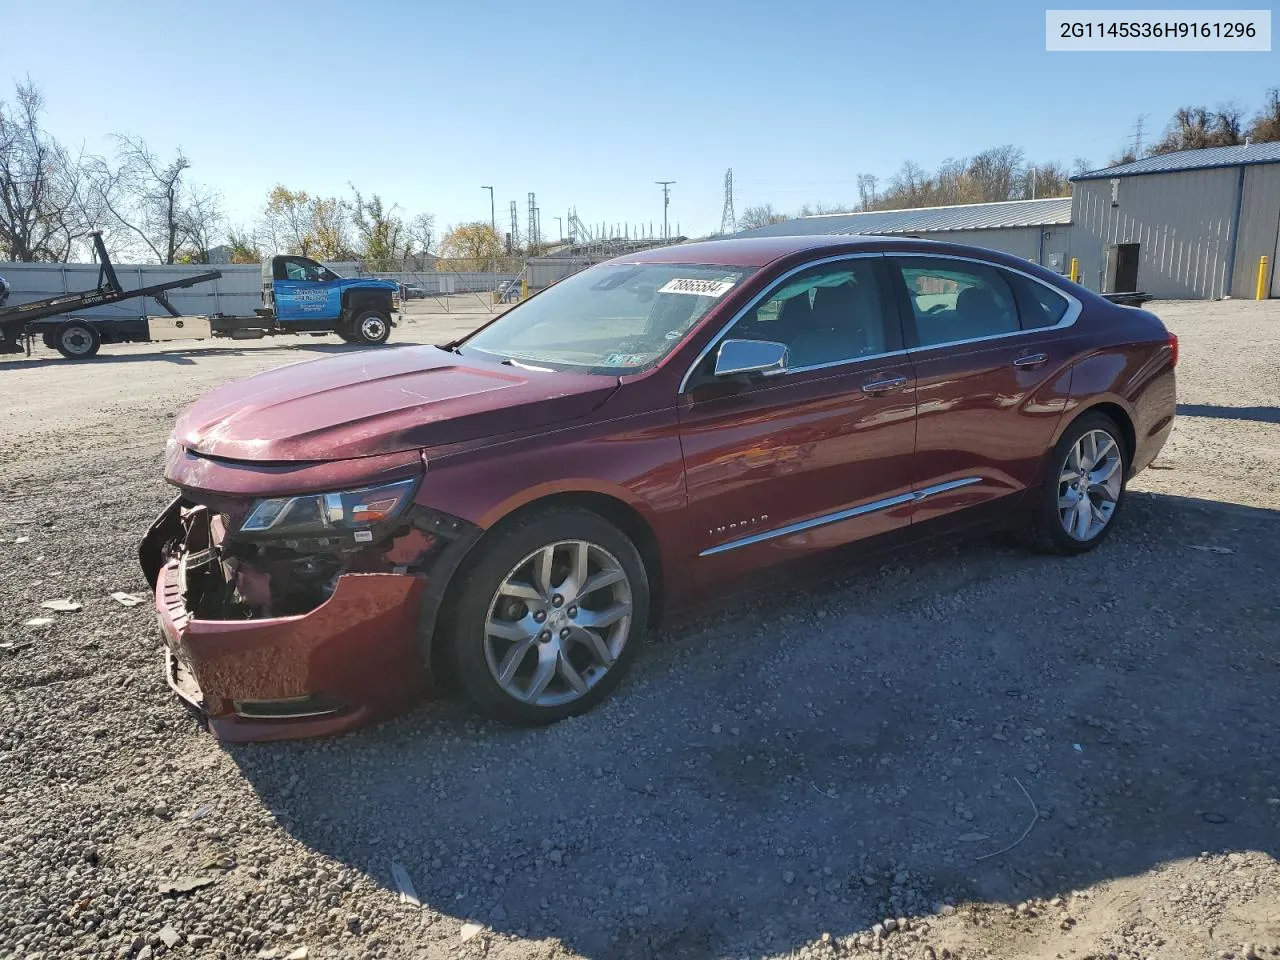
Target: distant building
(1035, 230)
(1191, 224)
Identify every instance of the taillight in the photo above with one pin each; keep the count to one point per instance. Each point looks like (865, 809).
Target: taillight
(1173, 349)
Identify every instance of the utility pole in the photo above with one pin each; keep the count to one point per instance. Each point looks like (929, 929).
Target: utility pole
(493, 218)
(560, 222)
(666, 202)
(493, 229)
(513, 238)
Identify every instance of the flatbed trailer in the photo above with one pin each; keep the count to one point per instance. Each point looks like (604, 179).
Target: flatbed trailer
(78, 338)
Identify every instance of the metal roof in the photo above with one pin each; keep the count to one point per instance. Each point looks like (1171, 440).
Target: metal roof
(1206, 159)
(966, 216)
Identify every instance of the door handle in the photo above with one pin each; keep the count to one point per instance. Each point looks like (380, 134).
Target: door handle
(883, 384)
(1032, 360)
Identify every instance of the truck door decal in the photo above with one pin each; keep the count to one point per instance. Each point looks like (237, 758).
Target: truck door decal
(307, 300)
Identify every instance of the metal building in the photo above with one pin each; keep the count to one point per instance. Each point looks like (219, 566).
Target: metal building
(1035, 230)
(1191, 224)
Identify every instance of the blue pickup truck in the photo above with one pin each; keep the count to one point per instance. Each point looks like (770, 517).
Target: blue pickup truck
(307, 297)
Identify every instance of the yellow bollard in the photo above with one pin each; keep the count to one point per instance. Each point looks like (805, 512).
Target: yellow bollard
(1261, 293)
(524, 288)
(1074, 274)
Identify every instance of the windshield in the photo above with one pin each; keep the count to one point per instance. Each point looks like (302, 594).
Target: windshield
(613, 318)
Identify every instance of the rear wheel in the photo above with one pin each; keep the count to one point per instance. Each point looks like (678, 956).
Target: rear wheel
(1084, 487)
(77, 340)
(369, 327)
(548, 617)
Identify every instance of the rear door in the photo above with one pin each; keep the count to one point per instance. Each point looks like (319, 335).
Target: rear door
(992, 367)
(784, 465)
(306, 291)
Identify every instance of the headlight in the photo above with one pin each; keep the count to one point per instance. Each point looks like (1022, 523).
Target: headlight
(352, 512)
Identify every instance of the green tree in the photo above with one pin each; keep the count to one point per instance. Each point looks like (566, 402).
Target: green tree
(473, 245)
(380, 234)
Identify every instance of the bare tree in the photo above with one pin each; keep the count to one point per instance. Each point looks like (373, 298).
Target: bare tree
(1049, 179)
(202, 223)
(1080, 165)
(44, 210)
(994, 172)
(422, 234)
(909, 183)
(151, 201)
(867, 190)
(760, 215)
(1194, 128)
(950, 182)
(821, 209)
(1265, 125)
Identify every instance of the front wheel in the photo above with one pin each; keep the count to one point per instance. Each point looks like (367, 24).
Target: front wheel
(369, 327)
(548, 617)
(77, 340)
(1083, 489)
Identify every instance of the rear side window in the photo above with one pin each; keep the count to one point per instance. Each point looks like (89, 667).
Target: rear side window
(1038, 305)
(956, 300)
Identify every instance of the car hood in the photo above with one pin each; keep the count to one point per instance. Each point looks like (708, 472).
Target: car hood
(380, 401)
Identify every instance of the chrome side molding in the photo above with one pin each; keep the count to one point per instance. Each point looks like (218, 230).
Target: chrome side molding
(849, 514)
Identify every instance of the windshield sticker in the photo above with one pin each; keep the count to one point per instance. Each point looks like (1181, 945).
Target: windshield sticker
(697, 288)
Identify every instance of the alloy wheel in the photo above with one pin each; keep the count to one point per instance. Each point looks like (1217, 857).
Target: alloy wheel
(1089, 485)
(558, 622)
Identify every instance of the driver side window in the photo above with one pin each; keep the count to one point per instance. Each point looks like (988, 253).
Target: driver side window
(825, 314)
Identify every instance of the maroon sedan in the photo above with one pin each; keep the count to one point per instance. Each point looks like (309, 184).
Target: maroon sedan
(516, 509)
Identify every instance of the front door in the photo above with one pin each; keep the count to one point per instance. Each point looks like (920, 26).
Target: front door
(992, 377)
(784, 465)
(305, 291)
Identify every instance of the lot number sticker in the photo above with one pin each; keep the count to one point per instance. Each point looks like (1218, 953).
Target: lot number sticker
(697, 288)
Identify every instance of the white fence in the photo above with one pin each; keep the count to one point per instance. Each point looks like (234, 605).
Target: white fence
(238, 292)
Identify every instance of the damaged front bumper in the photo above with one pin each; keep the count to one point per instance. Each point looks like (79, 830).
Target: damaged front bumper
(262, 659)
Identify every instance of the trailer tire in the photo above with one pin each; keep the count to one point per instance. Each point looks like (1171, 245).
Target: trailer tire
(78, 340)
(50, 339)
(370, 328)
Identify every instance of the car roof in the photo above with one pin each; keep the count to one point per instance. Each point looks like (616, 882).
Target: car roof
(758, 251)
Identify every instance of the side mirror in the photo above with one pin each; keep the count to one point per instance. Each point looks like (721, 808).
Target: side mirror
(737, 357)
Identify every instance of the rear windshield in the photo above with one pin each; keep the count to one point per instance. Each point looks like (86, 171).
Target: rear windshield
(612, 319)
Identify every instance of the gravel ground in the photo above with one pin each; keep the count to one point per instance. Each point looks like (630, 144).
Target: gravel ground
(967, 751)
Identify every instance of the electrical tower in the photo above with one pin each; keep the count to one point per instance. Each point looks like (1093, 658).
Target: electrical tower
(531, 224)
(1138, 130)
(578, 233)
(728, 220)
(666, 202)
(513, 238)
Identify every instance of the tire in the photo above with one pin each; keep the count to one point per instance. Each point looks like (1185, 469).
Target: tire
(77, 340)
(1052, 511)
(50, 339)
(369, 327)
(541, 631)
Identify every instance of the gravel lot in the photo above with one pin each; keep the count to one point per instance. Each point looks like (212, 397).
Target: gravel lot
(840, 768)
